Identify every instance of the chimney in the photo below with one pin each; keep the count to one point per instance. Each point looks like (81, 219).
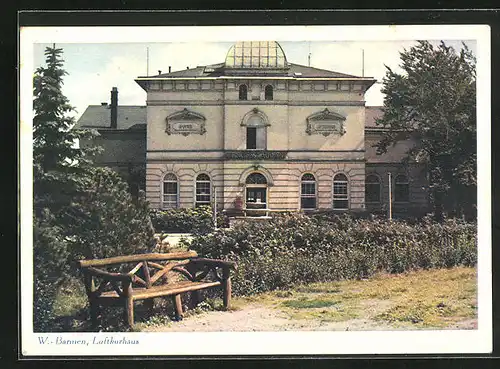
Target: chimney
(159, 71)
(169, 69)
(187, 67)
(114, 107)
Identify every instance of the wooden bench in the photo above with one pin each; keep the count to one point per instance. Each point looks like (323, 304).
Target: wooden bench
(150, 276)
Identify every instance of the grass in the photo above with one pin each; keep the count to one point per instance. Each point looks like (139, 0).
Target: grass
(421, 299)
(437, 298)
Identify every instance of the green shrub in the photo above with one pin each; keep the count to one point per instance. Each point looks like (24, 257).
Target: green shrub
(197, 220)
(100, 221)
(294, 248)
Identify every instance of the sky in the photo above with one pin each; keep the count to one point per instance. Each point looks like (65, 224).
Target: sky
(94, 68)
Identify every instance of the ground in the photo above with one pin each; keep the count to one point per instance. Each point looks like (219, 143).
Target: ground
(260, 318)
(434, 299)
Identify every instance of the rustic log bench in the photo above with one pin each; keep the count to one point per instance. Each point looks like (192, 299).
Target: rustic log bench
(152, 275)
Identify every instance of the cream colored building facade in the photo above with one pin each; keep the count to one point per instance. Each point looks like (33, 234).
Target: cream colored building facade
(301, 128)
(259, 132)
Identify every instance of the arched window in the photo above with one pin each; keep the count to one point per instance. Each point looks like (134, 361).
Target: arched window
(340, 192)
(243, 92)
(308, 192)
(372, 188)
(256, 191)
(256, 178)
(268, 95)
(203, 190)
(401, 189)
(170, 191)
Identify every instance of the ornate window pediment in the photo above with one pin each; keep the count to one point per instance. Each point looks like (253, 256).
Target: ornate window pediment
(185, 122)
(255, 118)
(325, 122)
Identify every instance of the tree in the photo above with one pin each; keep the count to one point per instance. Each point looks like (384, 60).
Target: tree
(57, 160)
(433, 102)
(79, 211)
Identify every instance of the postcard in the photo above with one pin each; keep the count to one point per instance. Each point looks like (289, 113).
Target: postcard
(255, 190)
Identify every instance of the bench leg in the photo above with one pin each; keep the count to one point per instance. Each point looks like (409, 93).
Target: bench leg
(94, 313)
(176, 299)
(129, 311)
(226, 293)
(148, 304)
(195, 298)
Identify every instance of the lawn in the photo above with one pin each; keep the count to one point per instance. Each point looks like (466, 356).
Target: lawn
(437, 298)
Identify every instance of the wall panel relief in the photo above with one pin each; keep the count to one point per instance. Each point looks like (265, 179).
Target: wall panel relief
(185, 122)
(326, 122)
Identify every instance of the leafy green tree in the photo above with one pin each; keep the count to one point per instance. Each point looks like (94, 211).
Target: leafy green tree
(433, 102)
(79, 211)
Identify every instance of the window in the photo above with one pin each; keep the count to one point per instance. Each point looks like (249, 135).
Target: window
(243, 92)
(401, 189)
(372, 188)
(308, 192)
(256, 133)
(256, 191)
(203, 189)
(340, 195)
(251, 137)
(170, 191)
(256, 178)
(268, 92)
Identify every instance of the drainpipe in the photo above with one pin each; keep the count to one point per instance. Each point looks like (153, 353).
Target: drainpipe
(390, 196)
(114, 107)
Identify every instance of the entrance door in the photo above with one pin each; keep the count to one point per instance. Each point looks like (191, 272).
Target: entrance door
(256, 198)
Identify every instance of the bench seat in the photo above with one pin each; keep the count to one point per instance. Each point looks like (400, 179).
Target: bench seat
(163, 290)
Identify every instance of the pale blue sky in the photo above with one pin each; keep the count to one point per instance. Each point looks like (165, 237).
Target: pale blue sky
(95, 68)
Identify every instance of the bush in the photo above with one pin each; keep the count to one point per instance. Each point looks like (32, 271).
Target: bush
(293, 248)
(100, 221)
(197, 220)
(105, 221)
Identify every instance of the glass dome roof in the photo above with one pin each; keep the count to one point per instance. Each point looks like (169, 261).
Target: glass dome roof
(256, 54)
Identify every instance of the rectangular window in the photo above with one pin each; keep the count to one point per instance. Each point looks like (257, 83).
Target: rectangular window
(401, 192)
(372, 192)
(340, 197)
(202, 193)
(308, 196)
(251, 138)
(169, 195)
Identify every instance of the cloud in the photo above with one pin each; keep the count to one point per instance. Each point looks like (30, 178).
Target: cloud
(91, 85)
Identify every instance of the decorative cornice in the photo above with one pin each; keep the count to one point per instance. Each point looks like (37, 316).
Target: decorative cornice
(253, 102)
(254, 155)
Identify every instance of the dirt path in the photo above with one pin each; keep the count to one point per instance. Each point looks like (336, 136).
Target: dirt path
(256, 317)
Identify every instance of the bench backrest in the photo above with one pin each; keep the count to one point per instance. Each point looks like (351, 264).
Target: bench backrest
(150, 267)
(138, 257)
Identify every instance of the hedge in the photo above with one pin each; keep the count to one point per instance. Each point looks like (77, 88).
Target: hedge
(293, 248)
(197, 220)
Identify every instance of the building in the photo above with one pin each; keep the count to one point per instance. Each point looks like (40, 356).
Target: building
(122, 135)
(257, 132)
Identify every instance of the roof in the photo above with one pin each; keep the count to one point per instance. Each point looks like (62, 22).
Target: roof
(99, 116)
(308, 72)
(216, 70)
(372, 113)
(256, 54)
